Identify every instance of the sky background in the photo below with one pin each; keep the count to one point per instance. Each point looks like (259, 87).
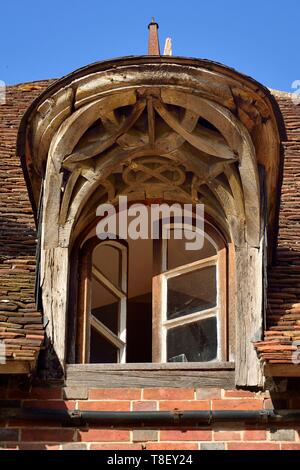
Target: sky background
(49, 39)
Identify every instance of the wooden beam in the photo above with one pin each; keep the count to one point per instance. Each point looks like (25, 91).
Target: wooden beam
(107, 283)
(151, 120)
(216, 147)
(106, 141)
(151, 375)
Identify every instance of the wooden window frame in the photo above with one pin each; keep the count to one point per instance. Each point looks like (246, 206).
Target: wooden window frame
(160, 323)
(214, 373)
(85, 319)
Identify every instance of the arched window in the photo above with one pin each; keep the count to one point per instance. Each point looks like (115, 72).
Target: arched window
(102, 304)
(153, 300)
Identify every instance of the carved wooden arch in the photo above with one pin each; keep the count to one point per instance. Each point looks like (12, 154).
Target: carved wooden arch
(88, 138)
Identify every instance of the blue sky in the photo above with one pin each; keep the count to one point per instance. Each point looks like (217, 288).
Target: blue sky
(41, 40)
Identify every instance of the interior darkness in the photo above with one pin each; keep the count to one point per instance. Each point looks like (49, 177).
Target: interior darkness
(139, 304)
(101, 349)
(208, 125)
(139, 329)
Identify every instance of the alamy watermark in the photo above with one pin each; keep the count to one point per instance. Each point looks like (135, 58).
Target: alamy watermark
(139, 221)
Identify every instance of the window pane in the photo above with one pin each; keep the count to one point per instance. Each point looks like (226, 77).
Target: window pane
(105, 306)
(177, 255)
(101, 349)
(191, 292)
(193, 342)
(107, 259)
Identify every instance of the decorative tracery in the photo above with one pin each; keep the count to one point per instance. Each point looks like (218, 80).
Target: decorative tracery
(150, 135)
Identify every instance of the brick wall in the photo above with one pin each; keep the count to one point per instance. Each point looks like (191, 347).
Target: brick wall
(21, 434)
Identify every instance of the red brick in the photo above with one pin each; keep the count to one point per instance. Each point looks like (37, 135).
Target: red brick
(253, 446)
(143, 435)
(9, 435)
(241, 404)
(193, 435)
(255, 435)
(268, 404)
(292, 446)
(170, 446)
(238, 394)
(104, 405)
(227, 436)
(115, 393)
(169, 394)
(185, 405)
(74, 446)
(53, 404)
(46, 393)
(144, 406)
(39, 393)
(38, 447)
(110, 446)
(27, 423)
(208, 393)
(47, 435)
(3, 393)
(104, 435)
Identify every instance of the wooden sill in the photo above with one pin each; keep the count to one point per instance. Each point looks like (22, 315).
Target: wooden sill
(210, 374)
(282, 370)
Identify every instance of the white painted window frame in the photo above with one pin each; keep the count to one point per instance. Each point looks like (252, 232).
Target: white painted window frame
(162, 286)
(119, 340)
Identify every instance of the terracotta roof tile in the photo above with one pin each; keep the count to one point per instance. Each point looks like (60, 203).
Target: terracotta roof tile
(283, 308)
(21, 326)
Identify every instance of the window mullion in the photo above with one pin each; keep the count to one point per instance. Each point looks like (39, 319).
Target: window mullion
(205, 263)
(191, 318)
(99, 277)
(106, 332)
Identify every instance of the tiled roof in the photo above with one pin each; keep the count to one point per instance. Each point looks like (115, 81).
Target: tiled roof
(283, 312)
(21, 326)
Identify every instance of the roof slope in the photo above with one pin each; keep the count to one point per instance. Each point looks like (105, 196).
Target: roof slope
(21, 326)
(283, 308)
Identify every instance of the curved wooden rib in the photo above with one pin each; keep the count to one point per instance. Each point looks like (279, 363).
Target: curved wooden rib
(67, 195)
(240, 141)
(202, 141)
(50, 115)
(236, 189)
(73, 128)
(105, 142)
(173, 140)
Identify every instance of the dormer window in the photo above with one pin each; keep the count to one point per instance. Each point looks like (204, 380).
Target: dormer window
(170, 130)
